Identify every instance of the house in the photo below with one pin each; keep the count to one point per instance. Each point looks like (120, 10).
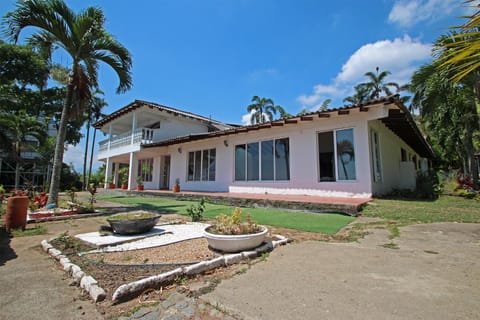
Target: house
(355, 151)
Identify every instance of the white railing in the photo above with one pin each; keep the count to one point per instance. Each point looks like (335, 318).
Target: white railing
(142, 135)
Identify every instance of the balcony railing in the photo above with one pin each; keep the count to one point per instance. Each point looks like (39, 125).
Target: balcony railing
(142, 135)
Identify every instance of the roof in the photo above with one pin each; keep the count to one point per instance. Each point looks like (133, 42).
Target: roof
(217, 125)
(400, 121)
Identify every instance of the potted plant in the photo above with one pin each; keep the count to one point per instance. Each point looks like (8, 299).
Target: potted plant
(123, 177)
(139, 183)
(133, 222)
(2, 193)
(231, 234)
(176, 186)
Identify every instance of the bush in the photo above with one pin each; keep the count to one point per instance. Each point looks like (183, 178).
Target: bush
(428, 185)
(196, 211)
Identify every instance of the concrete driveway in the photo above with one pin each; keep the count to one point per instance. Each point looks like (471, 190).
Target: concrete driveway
(434, 274)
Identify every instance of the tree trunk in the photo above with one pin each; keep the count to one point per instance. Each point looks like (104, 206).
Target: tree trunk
(85, 156)
(59, 148)
(91, 156)
(472, 166)
(17, 165)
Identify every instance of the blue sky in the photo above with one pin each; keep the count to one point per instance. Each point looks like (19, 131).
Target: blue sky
(210, 57)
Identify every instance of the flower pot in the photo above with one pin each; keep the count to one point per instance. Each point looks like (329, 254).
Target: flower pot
(124, 186)
(140, 187)
(16, 216)
(132, 224)
(234, 243)
(176, 188)
(111, 186)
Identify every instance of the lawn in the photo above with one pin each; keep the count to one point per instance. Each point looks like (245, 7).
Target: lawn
(444, 209)
(323, 223)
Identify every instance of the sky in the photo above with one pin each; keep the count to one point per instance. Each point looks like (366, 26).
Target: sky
(211, 57)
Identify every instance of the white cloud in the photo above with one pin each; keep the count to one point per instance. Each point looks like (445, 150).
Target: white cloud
(410, 12)
(393, 56)
(400, 56)
(74, 155)
(246, 118)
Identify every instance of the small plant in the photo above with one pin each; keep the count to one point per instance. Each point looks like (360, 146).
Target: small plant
(92, 189)
(233, 224)
(196, 211)
(140, 180)
(177, 182)
(72, 195)
(2, 193)
(65, 240)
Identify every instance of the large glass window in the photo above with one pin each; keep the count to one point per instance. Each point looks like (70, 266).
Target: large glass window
(145, 169)
(201, 165)
(337, 155)
(263, 161)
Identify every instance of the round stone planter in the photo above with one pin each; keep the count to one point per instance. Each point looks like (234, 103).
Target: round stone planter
(234, 243)
(133, 225)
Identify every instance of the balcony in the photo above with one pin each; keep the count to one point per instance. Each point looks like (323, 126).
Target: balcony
(139, 136)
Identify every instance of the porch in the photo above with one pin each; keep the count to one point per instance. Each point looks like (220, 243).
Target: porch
(350, 206)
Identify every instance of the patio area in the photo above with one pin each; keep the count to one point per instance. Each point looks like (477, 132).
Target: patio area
(351, 206)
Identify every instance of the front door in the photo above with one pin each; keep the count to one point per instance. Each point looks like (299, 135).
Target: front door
(165, 172)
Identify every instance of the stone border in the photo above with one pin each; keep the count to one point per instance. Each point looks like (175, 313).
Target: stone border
(85, 281)
(129, 289)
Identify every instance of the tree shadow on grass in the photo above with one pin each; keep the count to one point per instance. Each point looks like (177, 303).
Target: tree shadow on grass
(6, 251)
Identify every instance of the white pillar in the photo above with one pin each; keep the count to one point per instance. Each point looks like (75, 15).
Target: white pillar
(132, 183)
(108, 170)
(134, 126)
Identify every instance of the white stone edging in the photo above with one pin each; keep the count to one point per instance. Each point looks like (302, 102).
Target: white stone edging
(129, 289)
(85, 281)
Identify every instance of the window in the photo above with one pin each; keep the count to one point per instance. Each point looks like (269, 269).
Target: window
(403, 154)
(145, 169)
(263, 161)
(201, 165)
(377, 168)
(336, 155)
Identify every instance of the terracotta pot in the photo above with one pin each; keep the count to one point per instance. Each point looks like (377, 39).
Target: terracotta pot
(16, 216)
(140, 187)
(112, 186)
(124, 186)
(176, 188)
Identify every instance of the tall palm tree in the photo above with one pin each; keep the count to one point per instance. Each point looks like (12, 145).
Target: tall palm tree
(85, 39)
(262, 110)
(377, 85)
(361, 95)
(17, 130)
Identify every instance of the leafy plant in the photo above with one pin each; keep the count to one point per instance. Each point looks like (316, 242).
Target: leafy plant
(196, 211)
(140, 180)
(233, 224)
(72, 195)
(177, 182)
(92, 189)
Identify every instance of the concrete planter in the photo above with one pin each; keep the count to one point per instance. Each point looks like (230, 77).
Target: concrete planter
(234, 243)
(133, 226)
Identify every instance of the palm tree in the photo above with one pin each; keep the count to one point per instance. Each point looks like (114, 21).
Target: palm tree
(361, 95)
(324, 105)
(85, 39)
(460, 52)
(17, 130)
(262, 110)
(377, 84)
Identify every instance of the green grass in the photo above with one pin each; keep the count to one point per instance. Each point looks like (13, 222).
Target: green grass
(35, 231)
(444, 209)
(323, 223)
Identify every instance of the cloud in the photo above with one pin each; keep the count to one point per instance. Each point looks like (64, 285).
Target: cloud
(246, 118)
(400, 56)
(407, 13)
(74, 155)
(393, 56)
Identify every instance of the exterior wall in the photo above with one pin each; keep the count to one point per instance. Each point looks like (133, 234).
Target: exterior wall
(395, 173)
(304, 168)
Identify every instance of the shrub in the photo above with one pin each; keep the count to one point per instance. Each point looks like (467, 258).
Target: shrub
(233, 225)
(428, 185)
(196, 211)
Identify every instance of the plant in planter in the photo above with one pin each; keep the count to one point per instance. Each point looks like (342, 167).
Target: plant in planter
(123, 177)
(231, 234)
(133, 222)
(140, 183)
(176, 186)
(196, 211)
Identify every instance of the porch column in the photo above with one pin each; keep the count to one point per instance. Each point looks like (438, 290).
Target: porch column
(115, 173)
(134, 127)
(108, 170)
(110, 130)
(131, 172)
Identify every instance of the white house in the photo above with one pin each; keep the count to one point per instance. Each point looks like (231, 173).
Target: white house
(355, 151)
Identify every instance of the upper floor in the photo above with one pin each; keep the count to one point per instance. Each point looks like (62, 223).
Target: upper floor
(142, 122)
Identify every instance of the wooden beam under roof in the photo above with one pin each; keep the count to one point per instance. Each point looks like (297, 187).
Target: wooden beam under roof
(343, 112)
(306, 118)
(324, 115)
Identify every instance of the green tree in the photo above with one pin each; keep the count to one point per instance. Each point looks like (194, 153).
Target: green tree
(361, 95)
(20, 131)
(85, 39)
(377, 85)
(263, 109)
